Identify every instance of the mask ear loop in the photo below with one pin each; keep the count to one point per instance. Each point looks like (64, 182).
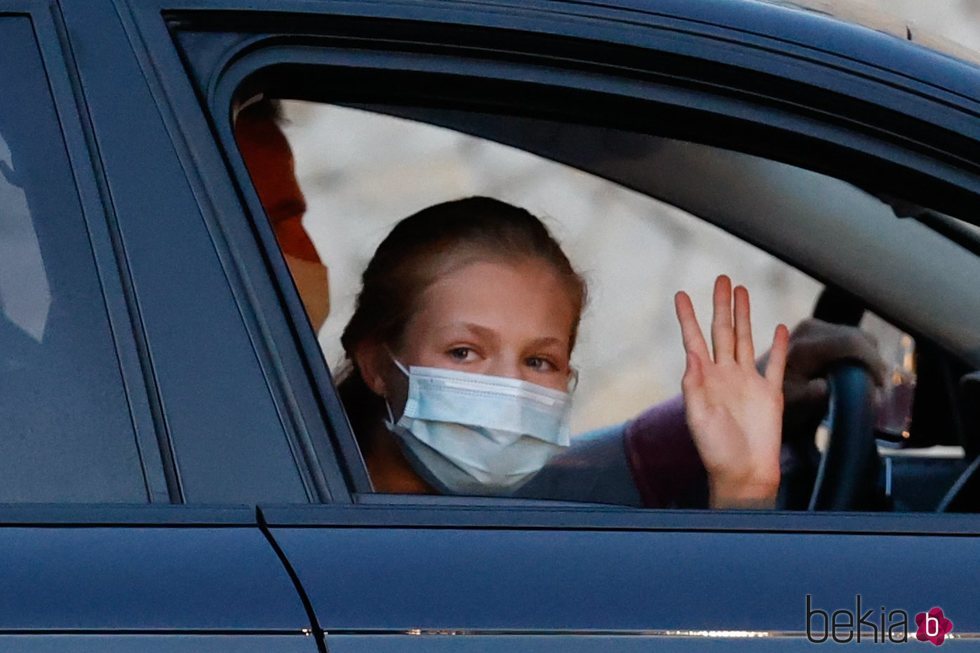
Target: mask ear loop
(397, 362)
(573, 380)
(390, 422)
(391, 416)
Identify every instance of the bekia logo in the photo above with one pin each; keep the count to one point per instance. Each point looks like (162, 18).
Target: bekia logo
(880, 627)
(933, 626)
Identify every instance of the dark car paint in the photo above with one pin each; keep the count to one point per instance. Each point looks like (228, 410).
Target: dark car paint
(142, 578)
(120, 642)
(154, 578)
(217, 388)
(553, 580)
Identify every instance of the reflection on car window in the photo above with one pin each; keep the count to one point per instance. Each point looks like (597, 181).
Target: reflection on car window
(24, 291)
(66, 433)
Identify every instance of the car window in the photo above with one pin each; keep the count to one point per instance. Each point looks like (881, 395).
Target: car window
(634, 251)
(67, 436)
(846, 230)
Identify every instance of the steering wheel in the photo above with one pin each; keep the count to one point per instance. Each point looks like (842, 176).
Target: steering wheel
(847, 476)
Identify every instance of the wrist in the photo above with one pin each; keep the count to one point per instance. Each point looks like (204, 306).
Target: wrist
(744, 493)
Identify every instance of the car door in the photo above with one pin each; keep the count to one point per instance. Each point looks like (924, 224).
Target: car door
(404, 573)
(98, 551)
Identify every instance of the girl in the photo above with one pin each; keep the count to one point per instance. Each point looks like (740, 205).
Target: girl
(458, 377)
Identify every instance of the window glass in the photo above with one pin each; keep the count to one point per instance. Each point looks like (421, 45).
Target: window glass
(335, 180)
(66, 434)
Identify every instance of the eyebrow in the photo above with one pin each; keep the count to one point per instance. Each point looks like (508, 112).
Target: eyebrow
(490, 334)
(476, 329)
(549, 340)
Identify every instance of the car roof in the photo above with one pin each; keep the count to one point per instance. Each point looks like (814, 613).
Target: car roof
(842, 30)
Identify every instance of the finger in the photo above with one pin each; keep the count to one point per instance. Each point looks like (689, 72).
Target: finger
(744, 348)
(814, 355)
(866, 352)
(870, 337)
(722, 336)
(816, 391)
(811, 393)
(690, 329)
(777, 356)
(874, 362)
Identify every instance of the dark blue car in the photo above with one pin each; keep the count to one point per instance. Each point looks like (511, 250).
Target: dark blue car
(176, 471)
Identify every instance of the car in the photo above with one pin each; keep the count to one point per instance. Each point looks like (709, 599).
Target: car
(177, 471)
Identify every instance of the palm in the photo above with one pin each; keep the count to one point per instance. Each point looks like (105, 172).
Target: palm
(733, 417)
(733, 411)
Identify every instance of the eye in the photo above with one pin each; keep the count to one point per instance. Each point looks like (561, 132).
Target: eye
(461, 354)
(540, 364)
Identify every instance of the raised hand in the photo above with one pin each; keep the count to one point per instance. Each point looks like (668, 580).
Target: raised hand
(734, 412)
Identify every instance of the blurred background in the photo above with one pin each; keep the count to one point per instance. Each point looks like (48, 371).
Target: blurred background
(957, 20)
(362, 172)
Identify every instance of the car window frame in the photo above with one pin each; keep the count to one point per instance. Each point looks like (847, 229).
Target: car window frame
(606, 38)
(74, 128)
(218, 83)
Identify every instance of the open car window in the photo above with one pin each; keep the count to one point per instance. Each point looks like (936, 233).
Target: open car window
(634, 251)
(632, 212)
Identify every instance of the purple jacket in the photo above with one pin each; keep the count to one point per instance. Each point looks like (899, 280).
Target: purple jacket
(665, 464)
(649, 462)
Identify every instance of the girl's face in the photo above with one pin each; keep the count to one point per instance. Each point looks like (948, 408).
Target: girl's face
(507, 318)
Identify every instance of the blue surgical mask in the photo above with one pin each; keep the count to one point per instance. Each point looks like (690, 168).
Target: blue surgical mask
(471, 433)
